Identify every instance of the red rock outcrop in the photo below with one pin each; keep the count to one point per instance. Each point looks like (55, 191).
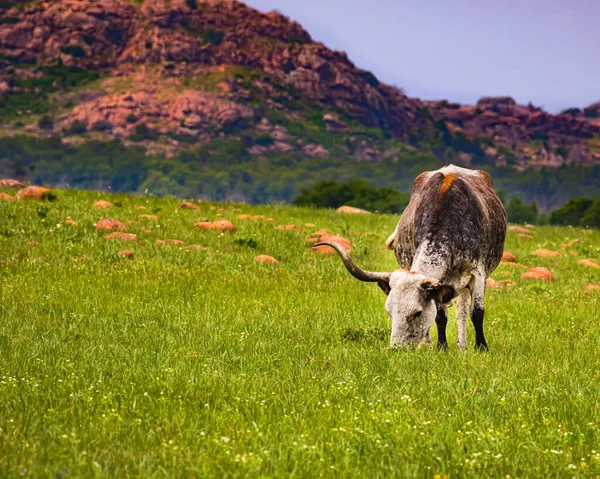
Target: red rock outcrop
(110, 224)
(33, 193)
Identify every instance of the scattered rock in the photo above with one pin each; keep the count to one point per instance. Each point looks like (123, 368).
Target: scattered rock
(288, 227)
(508, 257)
(504, 273)
(122, 236)
(33, 243)
(352, 210)
(317, 235)
(263, 258)
(252, 218)
(71, 223)
(33, 193)
(149, 217)
(102, 204)
(570, 243)
(309, 225)
(516, 265)
(197, 247)
(171, 241)
(502, 284)
(546, 253)
(523, 235)
(8, 183)
(125, 254)
(186, 205)
(141, 208)
(591, 287)
(219, 225)
(590, 262)
(518, 229)
(110, 224)
(538, 273)
(4, 196)
(328, 250)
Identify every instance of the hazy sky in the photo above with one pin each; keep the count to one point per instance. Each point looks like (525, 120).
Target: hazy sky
(543, 51)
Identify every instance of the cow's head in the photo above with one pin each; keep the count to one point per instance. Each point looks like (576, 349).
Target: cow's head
(411, 301)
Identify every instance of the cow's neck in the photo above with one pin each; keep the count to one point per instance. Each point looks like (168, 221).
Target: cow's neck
(431, 259)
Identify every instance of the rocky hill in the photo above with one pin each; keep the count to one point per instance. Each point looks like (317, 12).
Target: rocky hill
(166, 75)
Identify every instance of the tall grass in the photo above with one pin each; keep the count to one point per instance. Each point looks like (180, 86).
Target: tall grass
(182, 363)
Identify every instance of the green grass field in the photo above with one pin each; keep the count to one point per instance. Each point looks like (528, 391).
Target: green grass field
(184, 363)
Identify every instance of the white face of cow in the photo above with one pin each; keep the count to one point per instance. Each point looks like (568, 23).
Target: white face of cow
(411, 306)
(411, 299)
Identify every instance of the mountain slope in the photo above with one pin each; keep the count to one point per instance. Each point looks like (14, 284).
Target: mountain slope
(212, 83)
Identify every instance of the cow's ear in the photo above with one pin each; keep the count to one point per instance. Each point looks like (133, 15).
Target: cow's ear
(441, 293)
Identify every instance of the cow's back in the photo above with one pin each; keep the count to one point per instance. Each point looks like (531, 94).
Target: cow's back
(457, 213)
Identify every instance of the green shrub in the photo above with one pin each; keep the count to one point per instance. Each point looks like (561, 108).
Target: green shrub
(77, 128)
(46, 123)
(571, 213)
(264, 139)
(142, 132)
(357, 193)
(131, 118)
(519, 212)
(591, 218)
(212, 36)
(75, 51)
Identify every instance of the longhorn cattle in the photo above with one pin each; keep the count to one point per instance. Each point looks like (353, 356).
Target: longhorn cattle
(449, 240)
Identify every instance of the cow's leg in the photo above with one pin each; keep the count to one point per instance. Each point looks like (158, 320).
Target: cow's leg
(477, 311)
(441, 320)
(463, 305)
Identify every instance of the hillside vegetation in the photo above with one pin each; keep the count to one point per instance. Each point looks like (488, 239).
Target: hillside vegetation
(181, 361)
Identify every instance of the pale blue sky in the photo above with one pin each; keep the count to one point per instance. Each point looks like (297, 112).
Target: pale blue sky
(543, 51)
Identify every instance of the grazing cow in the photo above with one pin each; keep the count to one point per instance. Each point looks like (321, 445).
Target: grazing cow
(450, 239)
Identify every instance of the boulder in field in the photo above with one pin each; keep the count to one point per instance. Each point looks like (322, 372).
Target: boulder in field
(197, 247)
(352, 210)
(524, 235)
(542, 274)
(570, 243)
(102, 204)
(71, 223)
(263, 258)
(110, 224)
(122, 236)
(4, 196)
(328, 250)
(9, 183)
(33, 193)
(252, 218)
(141, 208)
(589, 288)
(546, 253)
(502, 284)
(590, 263)
(518, 229)
(149, 217)
(288, 227)
(219, 225)
(171, 241)
(186, 205)
(125, 254)
(309, 225)
(317, 235)
(515, 265)
(508, 257)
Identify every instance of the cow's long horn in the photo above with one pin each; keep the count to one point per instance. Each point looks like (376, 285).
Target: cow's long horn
(354, 270)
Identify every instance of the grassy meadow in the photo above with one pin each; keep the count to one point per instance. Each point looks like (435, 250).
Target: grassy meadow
(204, 363)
